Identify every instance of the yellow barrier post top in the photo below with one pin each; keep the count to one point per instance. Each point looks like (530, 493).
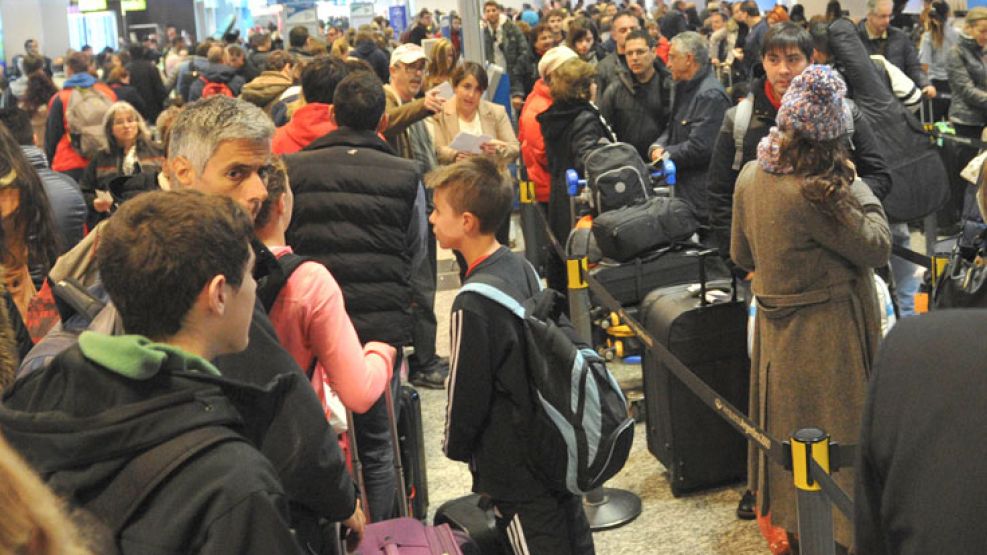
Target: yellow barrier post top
(805, 443)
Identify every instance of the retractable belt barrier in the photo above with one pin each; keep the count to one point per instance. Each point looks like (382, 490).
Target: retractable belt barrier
(811, 474)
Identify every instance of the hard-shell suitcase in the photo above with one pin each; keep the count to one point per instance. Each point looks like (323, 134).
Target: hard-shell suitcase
(709, 336)
(411, 440)
(468, 515)
(630, 281)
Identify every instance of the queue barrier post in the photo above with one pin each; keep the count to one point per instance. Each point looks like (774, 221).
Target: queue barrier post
(605, 508)
(529, 229)
(815, 514)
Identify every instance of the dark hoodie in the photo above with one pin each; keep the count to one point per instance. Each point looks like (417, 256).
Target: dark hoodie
(216, 73)
(571, 130)
(107, 399)
(368, 51)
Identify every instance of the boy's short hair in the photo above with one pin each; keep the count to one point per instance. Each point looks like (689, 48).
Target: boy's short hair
(161, 248)
(478, 186)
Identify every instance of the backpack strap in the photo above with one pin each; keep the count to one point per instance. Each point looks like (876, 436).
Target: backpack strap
(489, 288)
(118, 502)
(275, 281)
(741, 122)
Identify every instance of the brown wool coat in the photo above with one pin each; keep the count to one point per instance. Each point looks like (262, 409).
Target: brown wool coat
(818, 319)
(8, 345)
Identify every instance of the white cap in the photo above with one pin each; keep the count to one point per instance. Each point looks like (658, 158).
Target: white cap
(407, 53)
(552, 59)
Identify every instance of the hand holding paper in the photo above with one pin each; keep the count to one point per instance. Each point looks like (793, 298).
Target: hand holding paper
(467, 142)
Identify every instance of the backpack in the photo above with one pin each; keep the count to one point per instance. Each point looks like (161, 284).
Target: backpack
(579, 434)
(84, 120)
(212, 88)
(271, 285)
(107, 514)
(616, 176)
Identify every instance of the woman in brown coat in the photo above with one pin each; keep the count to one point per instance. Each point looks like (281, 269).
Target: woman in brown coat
(812, 233)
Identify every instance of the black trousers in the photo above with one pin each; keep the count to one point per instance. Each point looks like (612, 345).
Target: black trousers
(550, 524)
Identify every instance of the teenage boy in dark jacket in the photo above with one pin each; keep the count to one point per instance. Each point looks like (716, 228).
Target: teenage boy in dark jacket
(488, 383)
(108, 399)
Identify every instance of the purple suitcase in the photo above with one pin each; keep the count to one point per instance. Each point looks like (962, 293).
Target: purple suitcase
(408, 536)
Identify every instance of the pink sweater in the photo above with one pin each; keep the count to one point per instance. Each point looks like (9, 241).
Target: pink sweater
(311, 322)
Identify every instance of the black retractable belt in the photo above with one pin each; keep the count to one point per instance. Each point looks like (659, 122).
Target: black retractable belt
(912, 256)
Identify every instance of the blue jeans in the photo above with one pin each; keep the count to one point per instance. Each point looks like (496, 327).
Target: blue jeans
(905, 281)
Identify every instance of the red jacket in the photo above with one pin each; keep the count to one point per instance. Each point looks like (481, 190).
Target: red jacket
(532, 142)
(66, 157)
(307, 124)
(662, 49)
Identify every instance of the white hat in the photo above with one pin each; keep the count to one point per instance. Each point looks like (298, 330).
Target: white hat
(407, 53)
(552, 59)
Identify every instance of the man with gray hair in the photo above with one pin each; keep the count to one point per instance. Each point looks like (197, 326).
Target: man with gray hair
(881, 38)
(698, 105)
(222, 146)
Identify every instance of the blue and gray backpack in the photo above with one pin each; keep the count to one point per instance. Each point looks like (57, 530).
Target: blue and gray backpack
(581, 433)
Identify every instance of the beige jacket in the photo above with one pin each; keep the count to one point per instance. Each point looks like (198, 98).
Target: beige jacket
(493, 121)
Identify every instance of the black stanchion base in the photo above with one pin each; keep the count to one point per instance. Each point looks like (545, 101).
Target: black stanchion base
(608, 508)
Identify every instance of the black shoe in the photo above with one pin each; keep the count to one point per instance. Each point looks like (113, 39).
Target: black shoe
(429, 379)
(745, 509)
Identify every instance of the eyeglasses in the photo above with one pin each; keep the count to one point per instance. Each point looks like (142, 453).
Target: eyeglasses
(413, 68)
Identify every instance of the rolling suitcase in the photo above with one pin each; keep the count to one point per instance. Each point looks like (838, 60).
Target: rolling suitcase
(467, 514)
(411, 439)
(705, 328)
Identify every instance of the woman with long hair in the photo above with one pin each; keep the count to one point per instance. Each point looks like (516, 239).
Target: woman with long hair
(583, 41)
(34, 101)
(28, 233)
(937, 40)
(129, 151)
(812, 233)
(442, 61)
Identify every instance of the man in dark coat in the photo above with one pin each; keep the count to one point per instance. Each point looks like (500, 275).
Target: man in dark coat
(504, 44)
(787, 50)
(368, 51)
(918, 486)
(698, 105)
(420, 31)
(366, 221)
(892, 43)
(606, 71)
(145, 77)
(636, 103)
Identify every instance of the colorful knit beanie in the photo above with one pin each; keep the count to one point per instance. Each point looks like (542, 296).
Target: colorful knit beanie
(812, 108)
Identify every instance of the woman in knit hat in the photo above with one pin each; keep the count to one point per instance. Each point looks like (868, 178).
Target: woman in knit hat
(812, 233)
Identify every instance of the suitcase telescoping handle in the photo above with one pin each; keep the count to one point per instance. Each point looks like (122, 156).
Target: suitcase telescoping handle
(703, 301)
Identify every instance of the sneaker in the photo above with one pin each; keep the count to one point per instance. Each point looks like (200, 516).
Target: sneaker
(745, 509)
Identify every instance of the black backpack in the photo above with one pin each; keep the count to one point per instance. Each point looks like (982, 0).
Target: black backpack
(580, 433)
(616, 176)
(270, 286)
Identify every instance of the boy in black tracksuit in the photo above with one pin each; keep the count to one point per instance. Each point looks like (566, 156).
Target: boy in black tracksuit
(489, 395)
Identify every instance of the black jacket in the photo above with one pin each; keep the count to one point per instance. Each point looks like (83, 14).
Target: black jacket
(697, 112)
(918, 176)
(145, 77)
(129, 94)
(355, 220)
(673, 23)
(867, 156)
(968, 83)
(607, 70)
(216, 73)
(68, 206)
(571, 131)
(78, 423)
(898, 49)
(919, 486)
(638, 111)
(489, 391)
(370, 53)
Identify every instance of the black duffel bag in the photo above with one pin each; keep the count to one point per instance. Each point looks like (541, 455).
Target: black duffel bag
(628, 232)
(963, 283)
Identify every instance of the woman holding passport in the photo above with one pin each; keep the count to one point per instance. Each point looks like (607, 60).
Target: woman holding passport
(470, 126)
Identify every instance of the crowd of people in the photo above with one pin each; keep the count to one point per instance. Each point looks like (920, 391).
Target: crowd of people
(256, 222)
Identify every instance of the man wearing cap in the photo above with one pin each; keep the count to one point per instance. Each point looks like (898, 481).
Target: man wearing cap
(420, 31)
(406, 132)
(529, 130)
(636, 102)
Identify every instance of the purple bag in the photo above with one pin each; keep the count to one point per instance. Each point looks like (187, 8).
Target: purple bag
(408, 536)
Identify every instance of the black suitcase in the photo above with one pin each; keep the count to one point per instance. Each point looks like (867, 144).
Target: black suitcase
(411, 439)
(699, 449)
(465, 514)
(629, 282)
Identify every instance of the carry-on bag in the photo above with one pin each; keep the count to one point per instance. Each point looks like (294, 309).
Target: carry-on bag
(624, 233)
(629, 282)
(469, 515)
(616, 176)
(704, 326)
